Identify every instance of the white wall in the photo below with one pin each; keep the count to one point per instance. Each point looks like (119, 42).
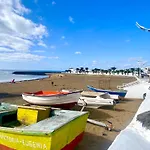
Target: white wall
(137, 90)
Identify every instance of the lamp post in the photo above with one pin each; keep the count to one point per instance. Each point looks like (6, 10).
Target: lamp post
(140, 65)
(144, 29)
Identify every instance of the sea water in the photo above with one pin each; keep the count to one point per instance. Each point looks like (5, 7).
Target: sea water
(7, 76)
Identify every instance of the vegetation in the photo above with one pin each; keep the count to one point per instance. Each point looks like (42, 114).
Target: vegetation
(112, 70)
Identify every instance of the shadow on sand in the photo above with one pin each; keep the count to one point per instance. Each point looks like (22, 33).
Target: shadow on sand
(95, 114)
(111, 108)
(93, 142)
(118, 109)
(8, 95)
(124, 100)
(11, 98)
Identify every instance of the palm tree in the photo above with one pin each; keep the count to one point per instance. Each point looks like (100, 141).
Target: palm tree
(132, 70)
(125, 72)
(68, 71)
(128, 71)
(106, 71)
(139, 72)
(77, 70)
(122, 71)
(109, 70)
(93, 70)
(117, 71)
(81, 70)
(102, 71)
(96, 70)
(86, 69)
(113, 69)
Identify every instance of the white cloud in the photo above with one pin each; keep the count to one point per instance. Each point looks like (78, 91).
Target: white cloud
(17, 33)
(41, 43)
(53, 3)
(39, 51)
(77, 52)
(71, 19)
(94, 62)
(18, 7)
(14, 42)
(63, 37)
(9, 57)
(53, 47)
(134, 59)
(54, 57)
(127, 65)
(4, 49)
(66, 43)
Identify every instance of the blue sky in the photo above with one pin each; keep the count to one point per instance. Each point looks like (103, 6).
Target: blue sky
(56, 35)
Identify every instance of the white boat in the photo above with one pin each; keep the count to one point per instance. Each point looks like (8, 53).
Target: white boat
(96, 99)
(61, 99)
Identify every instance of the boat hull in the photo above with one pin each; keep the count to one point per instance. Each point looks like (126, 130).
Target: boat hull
(65, 105)
(119, 93)
(61, 101)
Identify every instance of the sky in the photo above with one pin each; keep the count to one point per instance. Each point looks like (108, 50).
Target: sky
(59, 34)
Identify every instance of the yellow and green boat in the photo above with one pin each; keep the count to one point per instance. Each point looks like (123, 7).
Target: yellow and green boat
(40, 128)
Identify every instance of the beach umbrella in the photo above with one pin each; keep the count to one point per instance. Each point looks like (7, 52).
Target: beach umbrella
(141, 27)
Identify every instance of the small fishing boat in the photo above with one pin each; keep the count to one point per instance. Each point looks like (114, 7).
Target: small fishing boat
(62, 99)
(120, 93)
(95, 99)
(39, 128)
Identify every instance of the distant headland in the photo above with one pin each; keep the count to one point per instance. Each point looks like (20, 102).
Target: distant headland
(35, 72)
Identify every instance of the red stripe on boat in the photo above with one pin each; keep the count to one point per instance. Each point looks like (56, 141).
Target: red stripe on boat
(65, 105)
(3, 147)
(74, 143)
(70, 146)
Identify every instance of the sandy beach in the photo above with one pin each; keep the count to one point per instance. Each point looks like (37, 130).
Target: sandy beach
(95, 138)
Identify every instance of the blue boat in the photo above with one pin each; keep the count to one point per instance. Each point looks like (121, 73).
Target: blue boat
(120, 93)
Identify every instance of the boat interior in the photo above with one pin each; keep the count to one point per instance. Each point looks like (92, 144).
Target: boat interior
(45, 93)
(92, 94)
(35, 118)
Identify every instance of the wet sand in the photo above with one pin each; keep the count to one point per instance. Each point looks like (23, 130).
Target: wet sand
(95, 138)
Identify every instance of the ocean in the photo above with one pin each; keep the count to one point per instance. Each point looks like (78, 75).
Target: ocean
(8, 76)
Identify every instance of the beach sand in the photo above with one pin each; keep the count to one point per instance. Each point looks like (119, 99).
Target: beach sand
(95, 137)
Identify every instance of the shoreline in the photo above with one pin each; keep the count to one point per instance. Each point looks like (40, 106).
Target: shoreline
(16, 81)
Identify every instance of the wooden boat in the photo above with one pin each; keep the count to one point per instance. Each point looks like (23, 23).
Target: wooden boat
(120, 93)
(95, 99)
(62, 99)
(40, 128)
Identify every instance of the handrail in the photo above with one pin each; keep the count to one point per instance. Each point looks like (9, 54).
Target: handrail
(128, 84)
